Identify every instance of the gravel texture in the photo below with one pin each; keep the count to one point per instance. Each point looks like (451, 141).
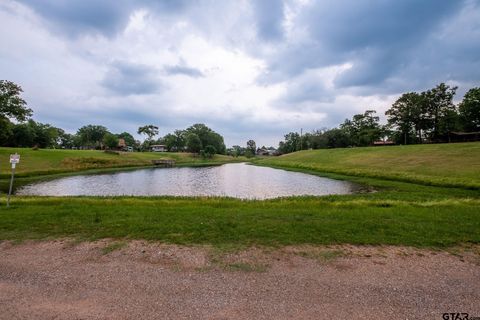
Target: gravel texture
(141, 280)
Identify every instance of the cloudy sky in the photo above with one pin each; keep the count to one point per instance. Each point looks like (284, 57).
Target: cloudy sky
(248, 69)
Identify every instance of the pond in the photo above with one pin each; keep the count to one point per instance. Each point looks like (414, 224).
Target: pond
(237, 180)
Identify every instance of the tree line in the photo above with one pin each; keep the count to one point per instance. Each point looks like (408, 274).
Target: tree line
(197, 138)
(425, 117)
(17, 129)
(415, 117)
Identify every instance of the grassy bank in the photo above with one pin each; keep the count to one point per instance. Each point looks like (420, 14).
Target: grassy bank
(48, 161)
(455, 164)
(220, 221)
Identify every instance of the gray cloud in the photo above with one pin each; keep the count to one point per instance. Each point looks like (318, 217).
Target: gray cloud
(379, 37)
(184, 70)
(125, 78)
(77, 17)
(269, 16)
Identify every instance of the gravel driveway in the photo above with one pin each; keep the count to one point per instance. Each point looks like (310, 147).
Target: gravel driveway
(140, 280)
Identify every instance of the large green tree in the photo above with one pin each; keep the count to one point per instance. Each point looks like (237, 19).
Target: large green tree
(207, 137)
(407, 117)
(440, 111)
(363, 129)
(169, 141)
(194, 144)
(469, 110)
(91, 135)
(6, 128)
(31, 133)
(251, 147)
(337, 138)
(45, 135)
(291, 143)
(11, 103)
(110, 141)
(23, 136)
(175, 141)
(149, 130)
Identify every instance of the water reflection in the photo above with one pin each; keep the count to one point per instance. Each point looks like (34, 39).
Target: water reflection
(234, 180)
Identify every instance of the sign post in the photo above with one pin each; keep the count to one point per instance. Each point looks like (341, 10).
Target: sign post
(14, 159)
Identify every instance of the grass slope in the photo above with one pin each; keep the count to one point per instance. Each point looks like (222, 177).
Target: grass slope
(456, 164)
(231, 222)
(49, 161)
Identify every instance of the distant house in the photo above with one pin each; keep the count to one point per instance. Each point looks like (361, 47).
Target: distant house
(383, 143)
(158, 148)
(262, 152)
(121, 144)
(266, 151)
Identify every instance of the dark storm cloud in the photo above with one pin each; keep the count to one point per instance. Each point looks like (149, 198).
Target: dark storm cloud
(83, 16)
(125, 78)
(349, 25)
(378, 36)
(76, 17)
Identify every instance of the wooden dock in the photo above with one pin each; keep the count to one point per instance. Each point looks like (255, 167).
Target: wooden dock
(164, 163)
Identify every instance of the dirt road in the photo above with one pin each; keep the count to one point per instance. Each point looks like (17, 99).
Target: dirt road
(139, 280)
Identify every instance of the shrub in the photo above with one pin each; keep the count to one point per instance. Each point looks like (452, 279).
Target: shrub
(208, 152)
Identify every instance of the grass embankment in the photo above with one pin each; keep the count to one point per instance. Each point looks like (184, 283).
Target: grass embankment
(399, 213)
(455, 164)
(48, 161)
(231, 222)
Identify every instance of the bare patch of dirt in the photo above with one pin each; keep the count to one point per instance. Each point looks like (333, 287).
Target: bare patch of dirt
(142, 280)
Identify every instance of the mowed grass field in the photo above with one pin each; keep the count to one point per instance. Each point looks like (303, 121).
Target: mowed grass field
(454, 164)
(50, 161)
(424, 196)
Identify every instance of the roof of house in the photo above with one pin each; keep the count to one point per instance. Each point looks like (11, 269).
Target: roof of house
(383, 142)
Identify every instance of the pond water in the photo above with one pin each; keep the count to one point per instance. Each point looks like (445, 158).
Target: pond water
(237, 180)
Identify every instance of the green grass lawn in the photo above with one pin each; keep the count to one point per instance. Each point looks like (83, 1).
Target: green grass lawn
(231, 222)
(50, 161)
(455, 164)
(430, 199)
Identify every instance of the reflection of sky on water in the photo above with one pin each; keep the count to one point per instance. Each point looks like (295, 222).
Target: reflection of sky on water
(234, 180)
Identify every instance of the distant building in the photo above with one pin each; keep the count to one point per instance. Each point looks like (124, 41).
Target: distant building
(121, 144)
(267, 151)
(158, 148)
(383, 143)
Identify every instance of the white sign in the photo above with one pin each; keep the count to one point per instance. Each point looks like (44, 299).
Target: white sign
(14, 158)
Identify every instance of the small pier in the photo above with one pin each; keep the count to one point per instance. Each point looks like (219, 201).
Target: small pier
(164, 163)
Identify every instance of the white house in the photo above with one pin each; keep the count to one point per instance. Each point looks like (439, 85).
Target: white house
(158, 148)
